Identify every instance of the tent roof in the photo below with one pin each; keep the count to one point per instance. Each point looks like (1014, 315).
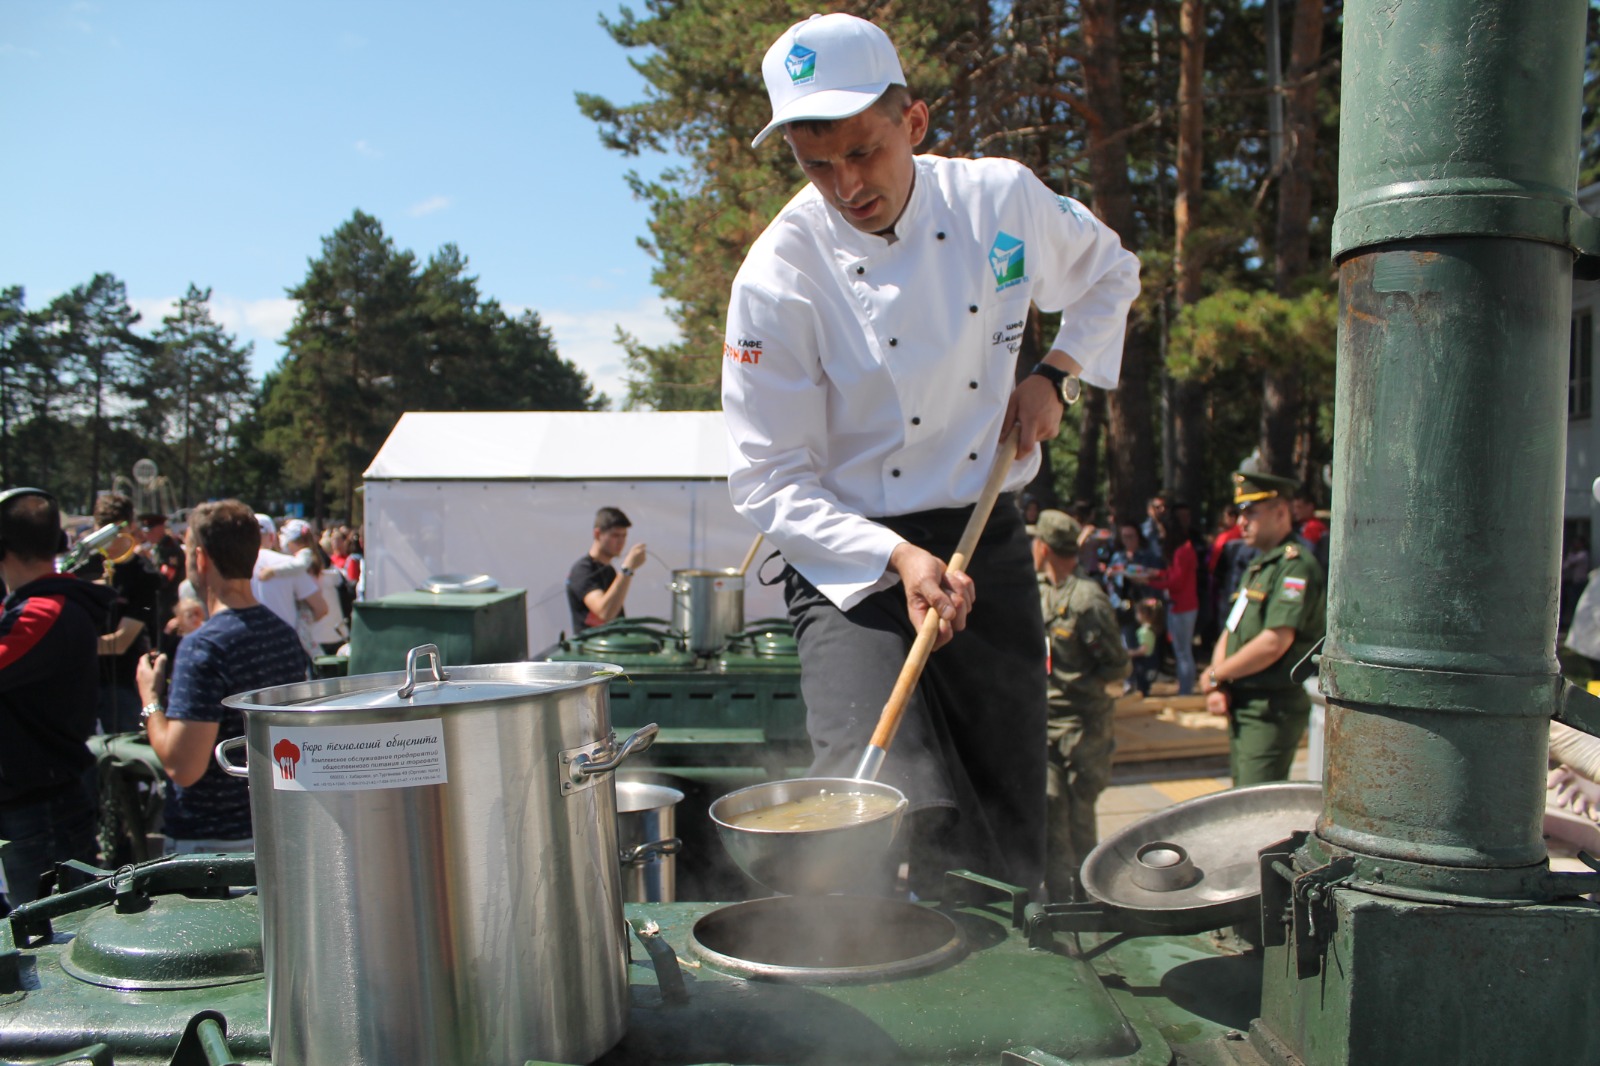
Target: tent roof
(552, 445)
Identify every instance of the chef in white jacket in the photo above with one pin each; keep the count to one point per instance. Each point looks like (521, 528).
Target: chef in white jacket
(869, 375)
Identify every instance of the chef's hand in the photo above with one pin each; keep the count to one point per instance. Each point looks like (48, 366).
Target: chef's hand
(635, 557)
(1036, 406)
(930, 585)
(151, 676)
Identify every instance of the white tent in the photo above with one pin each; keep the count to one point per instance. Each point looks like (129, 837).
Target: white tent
(513, 494)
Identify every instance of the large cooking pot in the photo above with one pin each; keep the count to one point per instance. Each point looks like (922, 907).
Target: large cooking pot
(707, 606)
(437, 863)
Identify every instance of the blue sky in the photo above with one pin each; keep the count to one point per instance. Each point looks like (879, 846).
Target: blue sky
(218, 143)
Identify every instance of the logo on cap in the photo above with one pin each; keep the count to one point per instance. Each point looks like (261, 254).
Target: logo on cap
(801, 63)
(1006, 260)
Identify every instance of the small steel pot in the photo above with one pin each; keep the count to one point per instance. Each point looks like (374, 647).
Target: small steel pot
(707, 606)
(646, 824)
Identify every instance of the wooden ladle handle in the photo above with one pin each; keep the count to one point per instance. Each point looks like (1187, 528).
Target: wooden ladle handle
(750, 556)
(922, 647)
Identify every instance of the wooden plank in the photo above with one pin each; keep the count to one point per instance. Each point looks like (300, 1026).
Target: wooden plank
(1167, 734)
(1136, 704)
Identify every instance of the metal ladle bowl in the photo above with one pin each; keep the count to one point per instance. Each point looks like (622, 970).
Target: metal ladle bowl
(847, 858)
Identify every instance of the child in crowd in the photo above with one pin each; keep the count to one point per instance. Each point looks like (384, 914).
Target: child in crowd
(1148, 613)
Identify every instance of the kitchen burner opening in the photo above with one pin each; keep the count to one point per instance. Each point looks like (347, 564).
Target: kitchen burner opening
(826, 939)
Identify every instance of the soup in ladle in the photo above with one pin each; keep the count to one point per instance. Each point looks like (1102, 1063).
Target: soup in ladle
(821, 810)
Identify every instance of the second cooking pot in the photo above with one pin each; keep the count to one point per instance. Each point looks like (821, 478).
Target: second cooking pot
(707, 606)
(437, 862)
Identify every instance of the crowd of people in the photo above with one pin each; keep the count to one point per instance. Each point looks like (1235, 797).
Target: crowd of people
(1102, 600)
(1170, 584)
(147, 634)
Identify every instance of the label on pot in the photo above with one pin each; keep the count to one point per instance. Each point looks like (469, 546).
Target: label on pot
(349, 758)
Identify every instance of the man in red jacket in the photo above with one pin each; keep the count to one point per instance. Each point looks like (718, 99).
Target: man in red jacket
(49, 686)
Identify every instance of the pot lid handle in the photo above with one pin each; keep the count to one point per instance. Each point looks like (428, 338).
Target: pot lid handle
(430, 650)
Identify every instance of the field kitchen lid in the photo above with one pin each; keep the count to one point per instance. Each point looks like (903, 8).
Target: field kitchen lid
(552, 446)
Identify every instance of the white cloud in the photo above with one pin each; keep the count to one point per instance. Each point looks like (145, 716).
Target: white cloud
(265, 319)
(588, 339)
(262, 321)
(428, 206)
(363, 148)
(152, 311)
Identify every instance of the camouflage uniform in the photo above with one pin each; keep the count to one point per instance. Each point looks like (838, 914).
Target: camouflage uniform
(1086, 653)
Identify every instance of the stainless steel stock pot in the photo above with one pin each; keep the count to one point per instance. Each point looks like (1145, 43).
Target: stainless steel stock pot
(437, 862)
(707, 606)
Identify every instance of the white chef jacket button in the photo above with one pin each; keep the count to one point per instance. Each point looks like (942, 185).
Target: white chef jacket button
(895, 471)
(893, 341)
(940, 235)
(972, 384)
(973, 308)
(861, 270)
(973, 456)
(916, 421)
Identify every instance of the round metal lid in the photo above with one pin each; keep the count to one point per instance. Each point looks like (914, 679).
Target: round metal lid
(1200, 853)
(633, 642)
(176, 942)
(460, 583)
(826, 939)
(424, 683)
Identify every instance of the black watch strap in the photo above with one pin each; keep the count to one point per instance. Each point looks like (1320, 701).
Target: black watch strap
(1050, 374)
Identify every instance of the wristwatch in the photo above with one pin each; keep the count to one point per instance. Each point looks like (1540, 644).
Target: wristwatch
(153, 707)
(1066, 384)
(627, 571)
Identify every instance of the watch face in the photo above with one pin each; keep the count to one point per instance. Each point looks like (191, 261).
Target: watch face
(1071, 389)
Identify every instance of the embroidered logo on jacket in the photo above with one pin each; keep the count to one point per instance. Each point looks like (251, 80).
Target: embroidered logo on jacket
(1294, 588)
(801, 63)
(1007, 261)
(746, 351)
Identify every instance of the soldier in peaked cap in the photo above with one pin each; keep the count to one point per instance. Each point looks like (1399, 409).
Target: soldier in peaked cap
(1277, 616)
(1086, 654)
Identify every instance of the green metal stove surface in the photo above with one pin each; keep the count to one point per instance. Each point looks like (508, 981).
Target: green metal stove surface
(110, 989)
(1001, 1002)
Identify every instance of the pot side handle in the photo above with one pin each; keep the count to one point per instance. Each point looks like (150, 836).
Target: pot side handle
(585, 766)
(229, 767)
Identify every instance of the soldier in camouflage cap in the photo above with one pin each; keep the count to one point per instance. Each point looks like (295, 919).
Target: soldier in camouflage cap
(1277, 616)
(1086, 654)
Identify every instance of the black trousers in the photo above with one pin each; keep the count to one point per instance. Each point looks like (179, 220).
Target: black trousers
(970, 753)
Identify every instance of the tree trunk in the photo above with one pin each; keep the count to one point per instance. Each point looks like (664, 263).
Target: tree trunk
(1188, 398)
(1086, 483)
(1280, 394)
(1130, 452)
(94, 433)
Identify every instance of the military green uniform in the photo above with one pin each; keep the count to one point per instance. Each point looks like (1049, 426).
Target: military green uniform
(1282, 587)
(1086, 653)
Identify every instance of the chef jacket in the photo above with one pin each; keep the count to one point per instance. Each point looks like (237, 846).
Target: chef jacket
(867, 376)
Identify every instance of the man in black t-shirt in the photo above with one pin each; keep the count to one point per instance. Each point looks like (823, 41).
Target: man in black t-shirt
(165, 554)
(595, 590)
(138, 586)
